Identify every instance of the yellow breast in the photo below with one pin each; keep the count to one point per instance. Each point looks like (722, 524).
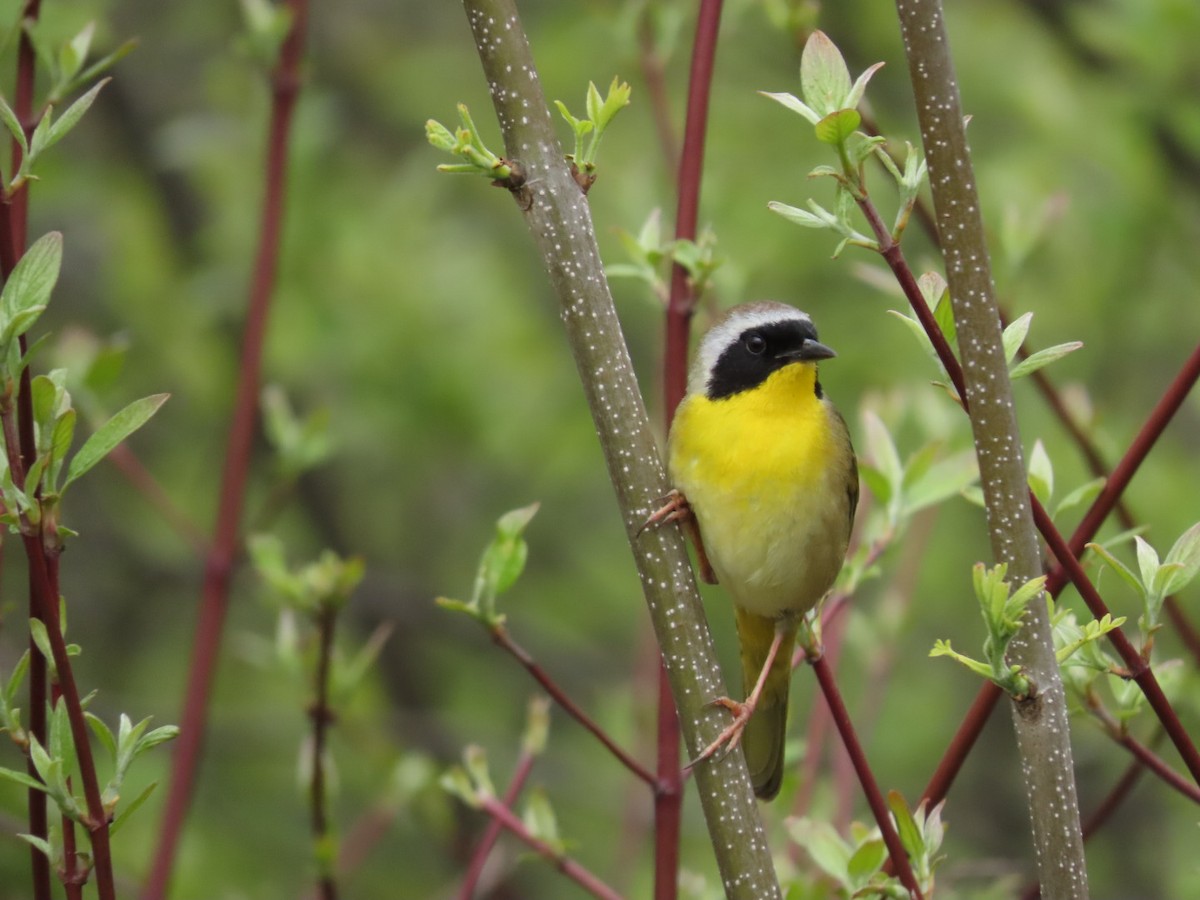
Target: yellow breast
(766, 473)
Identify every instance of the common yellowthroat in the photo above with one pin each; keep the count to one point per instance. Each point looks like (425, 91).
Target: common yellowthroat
(766, 483)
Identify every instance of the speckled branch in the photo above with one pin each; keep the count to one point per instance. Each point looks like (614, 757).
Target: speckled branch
(1043, 733)
(560, 222)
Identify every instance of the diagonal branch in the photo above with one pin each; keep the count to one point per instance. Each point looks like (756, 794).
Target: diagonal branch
(1040, 721)
(560, 224)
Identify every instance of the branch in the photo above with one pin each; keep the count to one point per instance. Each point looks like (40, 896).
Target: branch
(668, 800)
(883, 817)
(560, 223)
(218, 568)
(1043, 732)
(492, 833)
(573, 870)
(322, 716)
(1114, 487)
(503, 640)
(13, 217)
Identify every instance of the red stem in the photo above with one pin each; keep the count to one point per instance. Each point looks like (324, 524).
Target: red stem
(879, 808)
(668, 794)
(1139, 668)
(322, 716)
(550, 686)
(1118, 481)
(12, 246)
(1167, 406)
(573, 870)
(218, 569)
(492, 833)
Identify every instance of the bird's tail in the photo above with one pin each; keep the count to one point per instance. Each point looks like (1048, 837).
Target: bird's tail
(763, 739)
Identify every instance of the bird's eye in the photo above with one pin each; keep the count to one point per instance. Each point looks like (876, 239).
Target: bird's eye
(756, 344)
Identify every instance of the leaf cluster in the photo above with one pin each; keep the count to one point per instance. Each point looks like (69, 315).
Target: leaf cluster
(651, 257)
(501, 565)
(600, 113)
(855, 863)
(466, 143)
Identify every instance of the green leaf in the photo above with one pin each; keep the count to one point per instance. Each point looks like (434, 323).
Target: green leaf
(103, 733)
(1184, 557)
(42, 845)
(946, 478)
(1014, 336)
(906, 827)
(616, 100)
(824, 78)
(876, 482)
(72, 114)
(795, 105)
(504, 559)
(1148, 563)
(112, 433)
(1043, 358)
(594, 102)
(22, 778)
(440, 136)
(13, 124)
(34, 276)
(881, 450)
(1041, 473)
(865, 862)
(73, 53)
(1120, 568)
(1085, 492)
(539, 818)
(854, 97)
(837, 126)
(824, 845)
(131, 807)
(799, 216)
(41, 639)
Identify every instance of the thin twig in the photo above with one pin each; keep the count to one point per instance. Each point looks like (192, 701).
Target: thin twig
(504, 640)
(883, 817)
(218, 569)
(569, 867)
(13, 216)
(1148, 759)
(491, 834)
(322, 716)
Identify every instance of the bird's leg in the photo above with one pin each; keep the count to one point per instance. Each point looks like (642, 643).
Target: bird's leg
(742, 711)
(677, 509)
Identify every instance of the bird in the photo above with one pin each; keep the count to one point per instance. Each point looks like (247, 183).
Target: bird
(765, 483)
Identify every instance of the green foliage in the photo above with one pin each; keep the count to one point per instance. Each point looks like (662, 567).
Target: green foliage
(313, 588)
(651, 257)
(501, 565)
(1156, 579)
(266, 25)
(465, 142)
(301, 444)
(830, 101)
(1002, 609)
(600, 113)
(855, 864)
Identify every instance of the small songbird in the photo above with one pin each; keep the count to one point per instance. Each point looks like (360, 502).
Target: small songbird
(766, 483)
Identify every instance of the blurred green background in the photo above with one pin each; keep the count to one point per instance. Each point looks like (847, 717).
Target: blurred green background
(411, 308)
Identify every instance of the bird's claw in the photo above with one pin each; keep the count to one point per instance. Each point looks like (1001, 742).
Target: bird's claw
(675, 508)
(731, 735)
